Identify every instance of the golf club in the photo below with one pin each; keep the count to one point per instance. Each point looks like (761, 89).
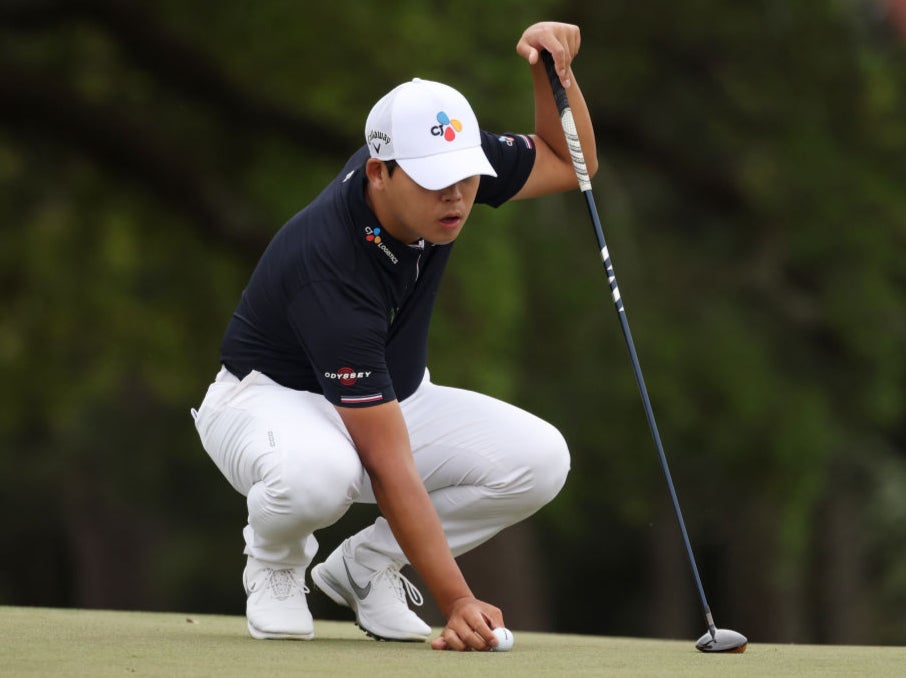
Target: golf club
(715, 640)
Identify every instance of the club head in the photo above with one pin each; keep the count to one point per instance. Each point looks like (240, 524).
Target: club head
(723, 640)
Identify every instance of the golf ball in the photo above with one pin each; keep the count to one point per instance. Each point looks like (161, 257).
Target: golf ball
(504, 640)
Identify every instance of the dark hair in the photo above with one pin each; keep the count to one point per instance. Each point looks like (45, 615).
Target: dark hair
(390, 165)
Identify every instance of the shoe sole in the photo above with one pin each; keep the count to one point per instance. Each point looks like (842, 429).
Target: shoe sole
(263, 635)
(326, 585)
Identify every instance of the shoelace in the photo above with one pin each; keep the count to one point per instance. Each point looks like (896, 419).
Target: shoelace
(402, 585)
(282, 583)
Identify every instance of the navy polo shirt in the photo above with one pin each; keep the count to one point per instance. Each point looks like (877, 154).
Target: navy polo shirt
(337, 306)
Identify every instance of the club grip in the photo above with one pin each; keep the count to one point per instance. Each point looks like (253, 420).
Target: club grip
(568, 123)
(556, 87)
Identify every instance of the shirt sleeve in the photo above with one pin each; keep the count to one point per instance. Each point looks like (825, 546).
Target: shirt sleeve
(344, 335)
(512, 156)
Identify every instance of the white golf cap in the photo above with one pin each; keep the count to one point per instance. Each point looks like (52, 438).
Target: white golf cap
(430, 130)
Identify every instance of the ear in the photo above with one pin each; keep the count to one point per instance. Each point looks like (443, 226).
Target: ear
(376, 172)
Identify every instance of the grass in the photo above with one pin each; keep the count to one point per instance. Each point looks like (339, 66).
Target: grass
(53, 642)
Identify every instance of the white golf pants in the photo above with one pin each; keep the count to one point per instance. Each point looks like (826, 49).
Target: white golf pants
(486, 465)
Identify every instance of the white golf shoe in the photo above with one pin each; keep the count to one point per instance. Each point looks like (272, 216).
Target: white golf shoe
(276, 607)
(377, 597)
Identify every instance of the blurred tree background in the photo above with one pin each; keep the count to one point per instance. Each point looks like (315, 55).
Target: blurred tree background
(752, 194)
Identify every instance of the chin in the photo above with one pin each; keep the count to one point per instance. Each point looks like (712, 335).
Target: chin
(445, 236)
(443, 240)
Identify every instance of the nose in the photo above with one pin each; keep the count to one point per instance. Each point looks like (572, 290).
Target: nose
(452, 193)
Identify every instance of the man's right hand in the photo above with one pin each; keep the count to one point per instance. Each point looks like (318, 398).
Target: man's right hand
(469, 626)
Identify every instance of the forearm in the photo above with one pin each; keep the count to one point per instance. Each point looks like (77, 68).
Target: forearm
(547, 118)
(553, 171)
(408, 509)
(382, 442)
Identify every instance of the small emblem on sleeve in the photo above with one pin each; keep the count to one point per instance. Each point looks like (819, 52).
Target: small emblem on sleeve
(509, 141)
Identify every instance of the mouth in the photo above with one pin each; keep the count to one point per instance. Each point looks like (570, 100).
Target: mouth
(452, 220)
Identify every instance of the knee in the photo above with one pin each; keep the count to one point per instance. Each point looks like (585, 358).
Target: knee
(540, 463)
(551, 464)
(315, 493)
(325, 489)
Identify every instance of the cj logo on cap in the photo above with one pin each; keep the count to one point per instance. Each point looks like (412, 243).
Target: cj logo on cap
(447, 128)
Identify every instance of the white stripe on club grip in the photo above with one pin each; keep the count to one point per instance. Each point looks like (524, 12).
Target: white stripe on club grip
(612, 279)
(575, 149)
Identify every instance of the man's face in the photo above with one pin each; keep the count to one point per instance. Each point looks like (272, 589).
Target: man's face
(410, 212)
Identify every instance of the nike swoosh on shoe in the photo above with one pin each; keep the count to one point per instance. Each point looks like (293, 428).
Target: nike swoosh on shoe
(360, 592)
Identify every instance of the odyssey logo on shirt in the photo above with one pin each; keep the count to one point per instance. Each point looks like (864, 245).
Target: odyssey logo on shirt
(346, 376)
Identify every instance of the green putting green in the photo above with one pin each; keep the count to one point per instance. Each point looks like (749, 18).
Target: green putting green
(54, 642)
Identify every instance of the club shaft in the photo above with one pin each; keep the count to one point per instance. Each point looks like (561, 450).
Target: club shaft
(575, 148)
(646, 401)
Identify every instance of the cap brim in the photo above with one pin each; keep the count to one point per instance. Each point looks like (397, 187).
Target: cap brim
(435, 172)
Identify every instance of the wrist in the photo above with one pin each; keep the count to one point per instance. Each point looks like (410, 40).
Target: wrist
(449, 608)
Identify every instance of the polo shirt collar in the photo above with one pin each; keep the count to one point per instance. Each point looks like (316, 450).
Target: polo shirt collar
(389, 252)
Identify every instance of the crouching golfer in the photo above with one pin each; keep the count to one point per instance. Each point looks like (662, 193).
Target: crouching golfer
(324, 398)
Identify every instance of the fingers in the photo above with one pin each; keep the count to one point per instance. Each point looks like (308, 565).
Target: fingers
(470, 628)
(463, 641)
(561, 40)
